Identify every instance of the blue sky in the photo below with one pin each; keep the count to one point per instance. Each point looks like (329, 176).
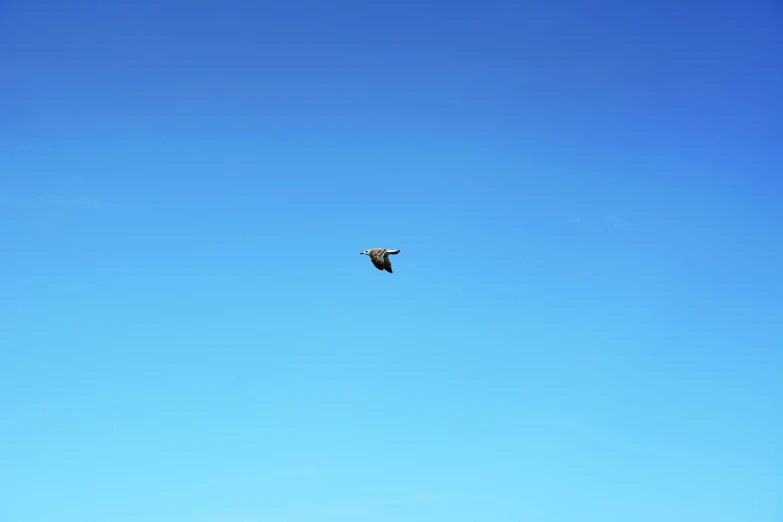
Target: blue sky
(584, 323)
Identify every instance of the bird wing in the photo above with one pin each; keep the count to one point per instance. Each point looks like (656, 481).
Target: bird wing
(377, 258)
(387, 264)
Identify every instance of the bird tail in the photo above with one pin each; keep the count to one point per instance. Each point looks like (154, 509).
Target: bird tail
(392, 251)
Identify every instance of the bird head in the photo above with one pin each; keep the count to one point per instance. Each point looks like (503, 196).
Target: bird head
(365, 252)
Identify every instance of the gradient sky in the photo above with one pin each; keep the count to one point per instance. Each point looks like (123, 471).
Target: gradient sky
(585, 323)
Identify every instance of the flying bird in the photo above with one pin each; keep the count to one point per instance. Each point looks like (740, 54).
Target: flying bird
(380, 258)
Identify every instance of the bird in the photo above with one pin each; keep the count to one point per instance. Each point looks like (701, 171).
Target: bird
(380, 258)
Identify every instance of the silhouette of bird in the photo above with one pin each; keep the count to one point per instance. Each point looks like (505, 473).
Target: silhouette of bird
(380, 258)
